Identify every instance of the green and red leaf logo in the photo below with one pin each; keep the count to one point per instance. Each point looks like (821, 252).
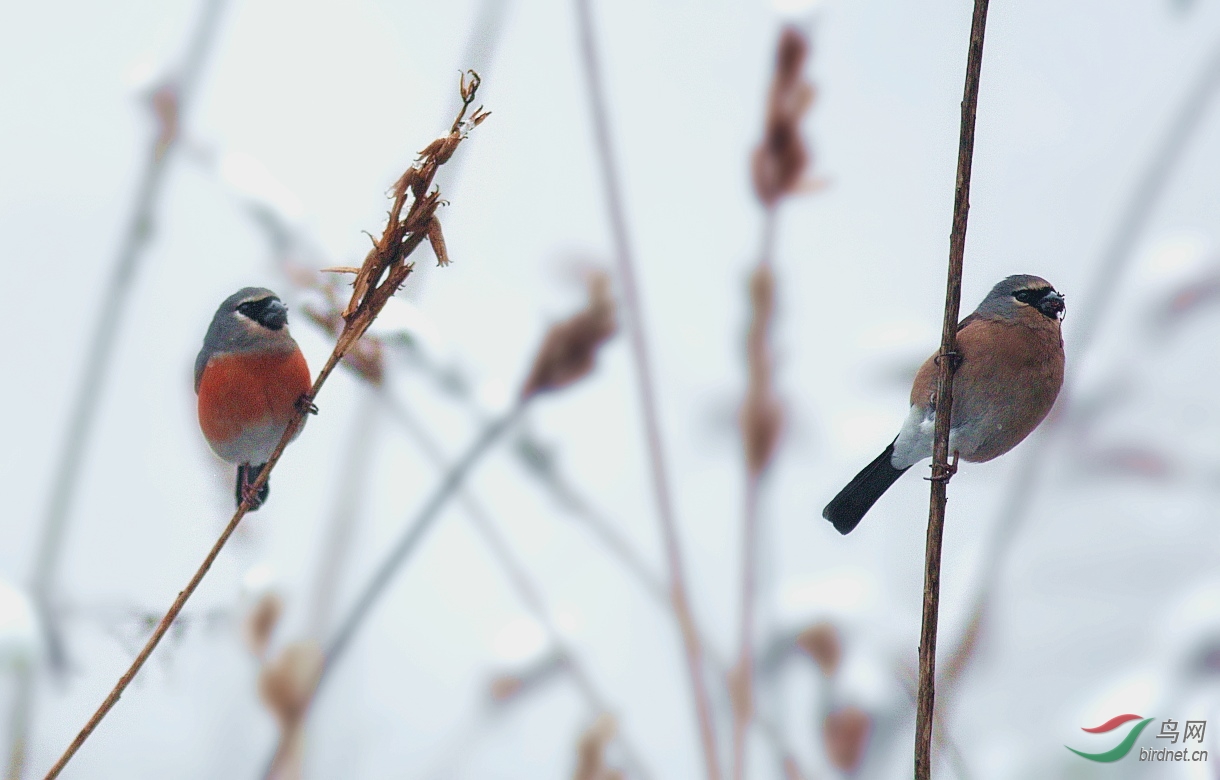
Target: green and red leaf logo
(1122, 748)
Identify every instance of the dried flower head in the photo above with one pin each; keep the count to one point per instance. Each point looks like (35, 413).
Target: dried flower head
(762, 415)
(821, 642)
(846, 732)
(261, 621)
(781, 157)
(287, 683)
(591, 751)
(567, 353)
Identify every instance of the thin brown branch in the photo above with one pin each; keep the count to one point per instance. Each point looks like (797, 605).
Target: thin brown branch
(741, 677)
(645, 387)
(383, 272)
(941, 470)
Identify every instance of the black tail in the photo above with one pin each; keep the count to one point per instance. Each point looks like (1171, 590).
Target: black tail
(246, 475)
(846, 509)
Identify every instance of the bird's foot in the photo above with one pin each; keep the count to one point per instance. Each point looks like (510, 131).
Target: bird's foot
(955, 359)
(944, 473)
(305, 405)
(250, 497)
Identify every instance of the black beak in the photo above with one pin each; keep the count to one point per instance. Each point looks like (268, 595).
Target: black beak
(1052, 305)
(274, 315)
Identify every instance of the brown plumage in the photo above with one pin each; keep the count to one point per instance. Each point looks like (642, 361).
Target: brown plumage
(1011, 369)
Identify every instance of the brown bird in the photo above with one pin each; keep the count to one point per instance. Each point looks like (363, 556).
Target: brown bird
(1011, 369)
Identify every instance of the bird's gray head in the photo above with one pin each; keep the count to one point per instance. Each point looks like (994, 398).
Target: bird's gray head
(254, 304)
(1012, 296)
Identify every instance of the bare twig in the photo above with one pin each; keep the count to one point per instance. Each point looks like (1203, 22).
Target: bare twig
(639, 349)
(941, 470)
(384, 270)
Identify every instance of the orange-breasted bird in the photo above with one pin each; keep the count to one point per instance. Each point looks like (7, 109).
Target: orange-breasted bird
(250, 377)
(1011, 368)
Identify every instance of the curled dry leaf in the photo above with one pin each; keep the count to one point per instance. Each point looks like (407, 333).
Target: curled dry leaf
(437, 239)
(846, 732)
(822, 643)
(568, 352)
(287, 683)
(261, 621)
(762, 415)
(781, 158)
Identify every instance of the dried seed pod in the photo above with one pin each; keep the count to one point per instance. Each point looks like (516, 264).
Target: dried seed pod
(261, 621)
(846, 732)
(287, 684)
(567, 353)
(781, 157)
(821, 642)
(437, 239)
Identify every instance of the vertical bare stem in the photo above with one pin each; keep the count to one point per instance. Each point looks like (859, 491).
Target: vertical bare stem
(743, 673)
(761, 419)
(639, 349)
(941, 470)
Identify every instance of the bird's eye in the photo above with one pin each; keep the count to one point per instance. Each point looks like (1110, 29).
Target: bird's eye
(1030, 296)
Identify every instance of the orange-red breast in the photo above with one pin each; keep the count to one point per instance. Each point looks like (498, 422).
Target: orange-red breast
(1011, 369)
(250, 377)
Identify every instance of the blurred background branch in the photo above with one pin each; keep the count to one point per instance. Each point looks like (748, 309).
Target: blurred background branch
(645, 386)
(169, 101)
